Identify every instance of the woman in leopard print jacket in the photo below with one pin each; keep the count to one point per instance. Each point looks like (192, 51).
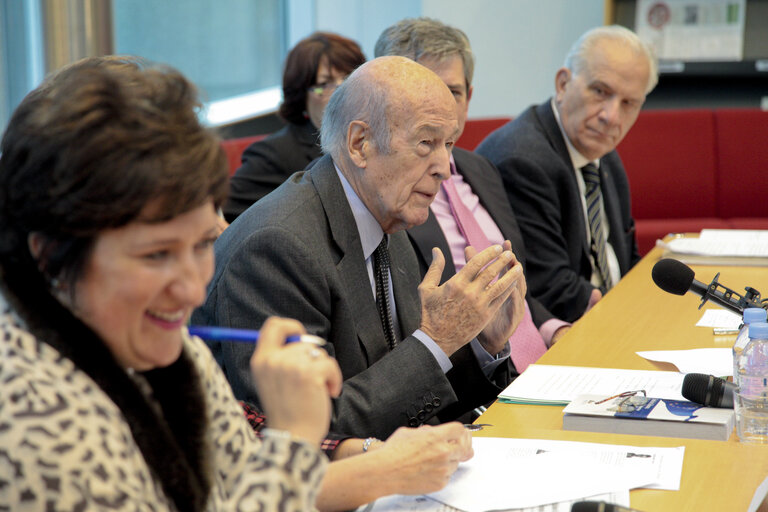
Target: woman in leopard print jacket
(108, 193)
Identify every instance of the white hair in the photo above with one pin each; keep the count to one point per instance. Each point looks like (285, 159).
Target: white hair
(358, 98)
(579, 54)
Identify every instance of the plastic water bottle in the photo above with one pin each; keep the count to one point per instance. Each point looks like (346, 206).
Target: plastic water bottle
(753, 362)
(751, 399)
(750, 315)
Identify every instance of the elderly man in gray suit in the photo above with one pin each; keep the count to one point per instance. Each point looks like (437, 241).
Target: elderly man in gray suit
(328, 248)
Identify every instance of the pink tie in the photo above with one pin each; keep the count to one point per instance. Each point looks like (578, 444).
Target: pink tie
(468, 225)
(526, 344)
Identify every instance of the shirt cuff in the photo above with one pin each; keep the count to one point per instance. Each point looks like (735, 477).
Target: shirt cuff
(442, 359)
(489, 363)
(548, 329)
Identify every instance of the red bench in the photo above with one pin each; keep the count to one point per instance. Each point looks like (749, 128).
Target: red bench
(695, 169)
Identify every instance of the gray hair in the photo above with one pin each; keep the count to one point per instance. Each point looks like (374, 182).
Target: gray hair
(426, 37)
(357, 99)
(579, 54)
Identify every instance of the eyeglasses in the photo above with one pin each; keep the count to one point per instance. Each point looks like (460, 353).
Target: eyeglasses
(324, 88)
(630, 401)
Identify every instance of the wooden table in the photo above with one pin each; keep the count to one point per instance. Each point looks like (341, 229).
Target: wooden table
(636, 315)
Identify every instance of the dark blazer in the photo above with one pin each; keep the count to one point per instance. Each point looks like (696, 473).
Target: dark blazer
(540, 182)
(268, 163)
(297, 253)
(486, 183)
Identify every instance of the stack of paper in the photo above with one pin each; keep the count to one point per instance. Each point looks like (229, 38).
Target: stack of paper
(720, 247)
(512, 474)
(558, 385)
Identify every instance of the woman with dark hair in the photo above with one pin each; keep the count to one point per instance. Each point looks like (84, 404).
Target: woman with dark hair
(108, 192)
(313, 70)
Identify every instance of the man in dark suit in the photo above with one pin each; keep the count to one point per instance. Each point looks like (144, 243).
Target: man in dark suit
(565, 180)
(317, 250)
(446, 51)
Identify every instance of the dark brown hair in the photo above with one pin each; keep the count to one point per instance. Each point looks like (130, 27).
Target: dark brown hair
(90, 148)
(301, 69)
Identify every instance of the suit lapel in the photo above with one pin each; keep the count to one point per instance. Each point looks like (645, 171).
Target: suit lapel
(552, 130)
(611, 204)
(351, 263)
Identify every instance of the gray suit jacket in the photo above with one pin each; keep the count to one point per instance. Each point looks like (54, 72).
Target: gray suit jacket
(297, 253)
(534, 163)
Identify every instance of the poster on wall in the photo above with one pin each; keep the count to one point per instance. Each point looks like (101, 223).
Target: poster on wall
(690, 30)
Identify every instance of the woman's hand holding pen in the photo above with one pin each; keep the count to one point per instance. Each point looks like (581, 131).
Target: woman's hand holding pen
(295, 381)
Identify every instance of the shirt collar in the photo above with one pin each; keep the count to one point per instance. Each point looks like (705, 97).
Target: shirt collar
(368, 227)
(577, 159)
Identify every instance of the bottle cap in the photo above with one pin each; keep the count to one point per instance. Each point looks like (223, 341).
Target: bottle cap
(758, 330)
(754, 315)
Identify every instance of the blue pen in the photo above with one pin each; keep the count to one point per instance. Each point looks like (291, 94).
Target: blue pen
(245, 335)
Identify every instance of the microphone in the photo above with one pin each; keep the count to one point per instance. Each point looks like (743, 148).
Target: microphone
(599, 506)
(675, 277)
(708, 390)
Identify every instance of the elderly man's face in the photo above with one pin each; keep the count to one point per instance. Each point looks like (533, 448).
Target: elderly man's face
(399, 187)
(599, 105)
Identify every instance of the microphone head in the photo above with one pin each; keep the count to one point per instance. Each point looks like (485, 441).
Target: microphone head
(672, 276)
(697, 388)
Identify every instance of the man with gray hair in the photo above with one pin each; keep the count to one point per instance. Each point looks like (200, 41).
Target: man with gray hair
(471, 207)
(328, 249)
(565, 180)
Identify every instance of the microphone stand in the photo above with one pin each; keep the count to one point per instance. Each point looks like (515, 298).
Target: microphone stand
(750, 300)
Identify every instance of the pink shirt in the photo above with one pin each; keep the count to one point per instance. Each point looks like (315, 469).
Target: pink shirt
(457, 242)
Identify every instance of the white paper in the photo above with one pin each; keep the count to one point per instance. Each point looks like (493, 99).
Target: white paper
(667, 462)
(517, 473)
(760, 236)
(400, 503)
(561, 384)
(720, 319)
(738, 244)
(490, 482)
(712, 361)
(692, 29)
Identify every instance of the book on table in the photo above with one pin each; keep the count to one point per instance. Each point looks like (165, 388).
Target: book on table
(647, 416)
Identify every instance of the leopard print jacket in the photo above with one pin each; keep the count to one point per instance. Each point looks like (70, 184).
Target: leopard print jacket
(65, 446)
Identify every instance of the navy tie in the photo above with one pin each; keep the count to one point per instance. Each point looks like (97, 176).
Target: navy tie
(381, 276)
